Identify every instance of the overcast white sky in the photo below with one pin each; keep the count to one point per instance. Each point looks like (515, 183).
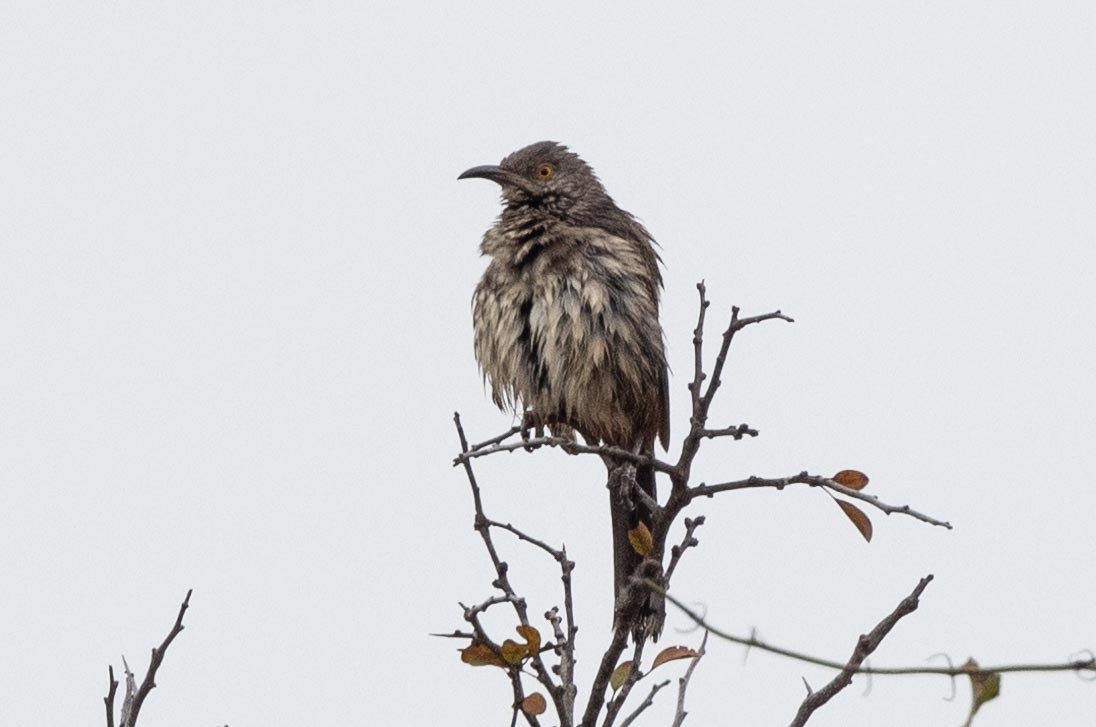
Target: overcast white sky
(235, 273)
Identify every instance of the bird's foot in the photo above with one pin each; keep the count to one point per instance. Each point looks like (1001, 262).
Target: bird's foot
(531, 421)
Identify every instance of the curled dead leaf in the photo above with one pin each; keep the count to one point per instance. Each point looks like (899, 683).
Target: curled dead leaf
(534, 704)
(852, 479)
(532, 638)
(641, 539)
(670, 653)
(858, 517)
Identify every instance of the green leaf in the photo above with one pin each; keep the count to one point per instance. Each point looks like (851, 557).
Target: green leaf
(616, 679)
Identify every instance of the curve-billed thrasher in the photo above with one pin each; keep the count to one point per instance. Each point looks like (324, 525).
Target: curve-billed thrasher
(567, 332)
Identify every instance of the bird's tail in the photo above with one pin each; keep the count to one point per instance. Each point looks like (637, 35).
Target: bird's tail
(643, 611)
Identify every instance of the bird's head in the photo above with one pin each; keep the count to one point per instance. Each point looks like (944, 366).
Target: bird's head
(545, 175)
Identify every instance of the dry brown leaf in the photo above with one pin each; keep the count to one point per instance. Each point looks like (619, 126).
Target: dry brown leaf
(513, 652)
(481, 655)
(532, 638)
(534, 704)
(859, 519)
(616, 679)
(673, 652)
(641, 539)
(852, 479)
(984, 686)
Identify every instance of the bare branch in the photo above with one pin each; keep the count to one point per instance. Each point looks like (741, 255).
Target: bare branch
(472, 612)
(496, 439)
(702, 402)
(683, 683)
(612, 710)
(647, 702)
(609, 661)
(502, 582)
(109, 699)
(154, 664)
(494, 446)
(736, 432)
(736, 325)
(698, 346)
(557, 555)
(567, 658)
(865, 645)
(135, 696)
(689, 541)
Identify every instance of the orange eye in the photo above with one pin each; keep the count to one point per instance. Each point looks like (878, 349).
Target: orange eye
(544, 171)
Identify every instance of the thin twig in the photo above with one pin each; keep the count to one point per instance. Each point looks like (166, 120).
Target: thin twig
(494, 446)
(736, 325)
(557, 555)
(865, 645)
(496, 439)
(612, 709)
(698, 346)
(804, 478)
(702, 402)
(471, 612)
(683, 683)
(567, 659)
(736, 432)
(647, 702)
(689, 541)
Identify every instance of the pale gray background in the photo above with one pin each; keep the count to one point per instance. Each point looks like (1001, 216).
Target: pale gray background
(235, 272)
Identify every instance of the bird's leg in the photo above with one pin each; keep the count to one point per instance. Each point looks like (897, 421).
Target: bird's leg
(531, 420)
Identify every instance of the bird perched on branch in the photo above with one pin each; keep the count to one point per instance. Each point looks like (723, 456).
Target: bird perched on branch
(567, 332)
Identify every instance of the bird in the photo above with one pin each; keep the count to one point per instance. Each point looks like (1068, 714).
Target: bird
(567, 333)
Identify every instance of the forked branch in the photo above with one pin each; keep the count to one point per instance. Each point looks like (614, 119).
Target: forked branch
(136, 695)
